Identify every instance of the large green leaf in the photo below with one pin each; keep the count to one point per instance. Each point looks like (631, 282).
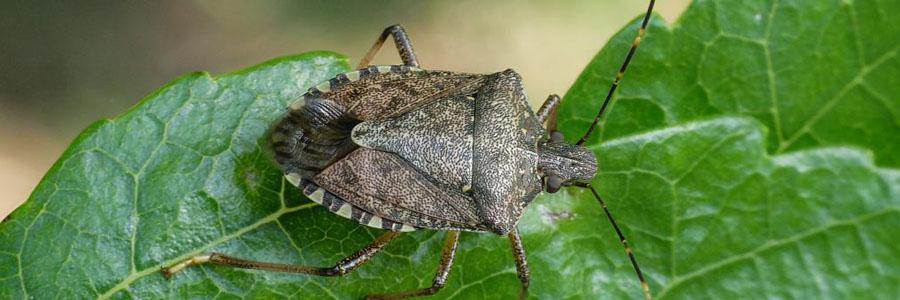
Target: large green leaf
(725, 189)
(815, 73)
(791, 213)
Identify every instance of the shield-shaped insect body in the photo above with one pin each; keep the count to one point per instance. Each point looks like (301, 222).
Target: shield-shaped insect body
(401, 148)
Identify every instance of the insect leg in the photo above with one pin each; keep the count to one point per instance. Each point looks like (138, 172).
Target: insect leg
(521, 263)
(628, 250)
(547, 112)
(344, 266)
(447, 255)
(401, 40)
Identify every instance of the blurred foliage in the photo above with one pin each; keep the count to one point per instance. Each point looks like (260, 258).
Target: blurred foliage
(65, 64)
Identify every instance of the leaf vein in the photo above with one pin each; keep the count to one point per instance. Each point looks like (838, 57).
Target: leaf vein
(137, 275)
(832, 102)
(679, 280)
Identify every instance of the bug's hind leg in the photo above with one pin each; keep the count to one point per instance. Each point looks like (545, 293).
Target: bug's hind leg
(344, 266)
(447, 255)
(521, 262)
(401, 40)
(547, 112)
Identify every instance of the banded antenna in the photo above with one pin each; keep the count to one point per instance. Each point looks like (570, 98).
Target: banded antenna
(645, 286)
(620, 74)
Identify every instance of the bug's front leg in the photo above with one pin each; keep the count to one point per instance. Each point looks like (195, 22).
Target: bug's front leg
(401, 40)
(448, 253)
(343, 267)
(547, 112)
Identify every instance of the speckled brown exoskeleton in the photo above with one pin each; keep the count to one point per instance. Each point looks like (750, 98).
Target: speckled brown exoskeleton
(402, 148)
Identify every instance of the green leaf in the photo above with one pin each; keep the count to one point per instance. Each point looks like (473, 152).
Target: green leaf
(814, 73)
(732, 159)
(739, 149)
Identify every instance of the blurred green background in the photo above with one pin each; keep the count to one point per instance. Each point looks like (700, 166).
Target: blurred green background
(66, 64)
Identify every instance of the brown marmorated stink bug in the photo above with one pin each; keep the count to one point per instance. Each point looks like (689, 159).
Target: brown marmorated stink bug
(402, 148)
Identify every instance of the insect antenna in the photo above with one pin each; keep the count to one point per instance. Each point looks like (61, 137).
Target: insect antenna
(620, 74)
(612, 89)
(637, 269)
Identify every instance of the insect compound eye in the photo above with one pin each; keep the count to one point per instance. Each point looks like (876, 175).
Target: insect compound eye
(553, 183)
(557, 136)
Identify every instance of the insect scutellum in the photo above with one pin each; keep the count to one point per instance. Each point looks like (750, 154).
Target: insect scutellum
(401, 148)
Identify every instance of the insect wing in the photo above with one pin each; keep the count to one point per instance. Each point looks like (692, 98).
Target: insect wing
(387, 186)
(384, 92)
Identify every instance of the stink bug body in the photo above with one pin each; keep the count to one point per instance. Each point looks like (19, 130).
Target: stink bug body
(401, 148)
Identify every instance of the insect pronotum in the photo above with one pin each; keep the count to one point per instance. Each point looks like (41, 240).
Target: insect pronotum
(401, 148)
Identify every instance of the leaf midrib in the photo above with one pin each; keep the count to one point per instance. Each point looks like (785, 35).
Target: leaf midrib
(197, 251)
